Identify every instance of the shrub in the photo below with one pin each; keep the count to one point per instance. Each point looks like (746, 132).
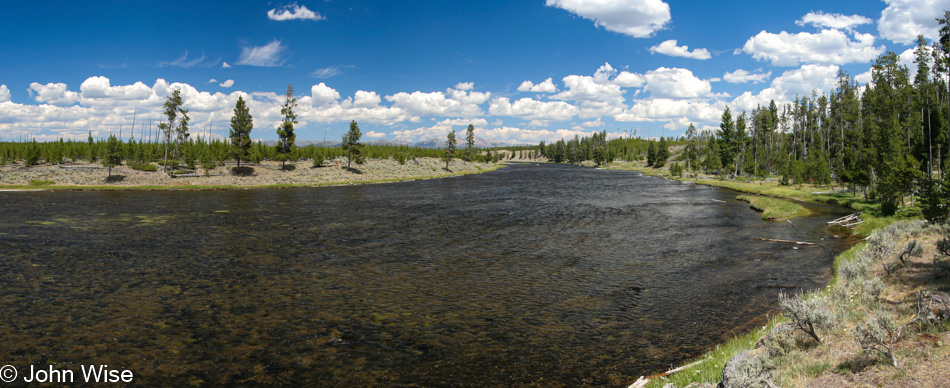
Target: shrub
(747, 370)
(878, 335)
(943, 246)
(807, 314)
(856, 270)
(143, 167)
(912, 249)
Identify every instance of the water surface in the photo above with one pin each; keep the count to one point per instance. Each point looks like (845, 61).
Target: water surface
(532, 275)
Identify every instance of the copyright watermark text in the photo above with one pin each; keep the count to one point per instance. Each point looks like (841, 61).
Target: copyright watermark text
(49, 374)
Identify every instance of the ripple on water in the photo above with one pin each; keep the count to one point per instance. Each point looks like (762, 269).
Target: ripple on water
(530, 275)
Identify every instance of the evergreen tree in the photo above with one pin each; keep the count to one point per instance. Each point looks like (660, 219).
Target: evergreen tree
(113, 156)
(692, 148)
(177, 123)
(352, 146)
(727, 138)
(285, 131)
(449, 148)
(662, 153)
(713, 162)
(470, 142)
(90, 156)
(241, 125)
(651, 154)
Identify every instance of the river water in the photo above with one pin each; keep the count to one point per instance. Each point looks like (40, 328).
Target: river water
(532, 275)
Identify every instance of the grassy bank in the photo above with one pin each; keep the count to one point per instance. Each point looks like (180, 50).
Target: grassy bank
(264, 177)
(870, 285)
(870, 211)
(774, 208)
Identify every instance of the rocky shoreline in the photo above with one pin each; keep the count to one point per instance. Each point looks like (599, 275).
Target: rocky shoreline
(264, 174)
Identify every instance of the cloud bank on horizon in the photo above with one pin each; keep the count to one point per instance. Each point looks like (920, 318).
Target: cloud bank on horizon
(650, 78)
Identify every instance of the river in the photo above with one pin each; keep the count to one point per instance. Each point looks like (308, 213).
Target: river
(532, 275)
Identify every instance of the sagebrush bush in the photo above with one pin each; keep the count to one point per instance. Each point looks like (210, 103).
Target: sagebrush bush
(878, 335)
(807, 314)
(856, 270)
(747, 370)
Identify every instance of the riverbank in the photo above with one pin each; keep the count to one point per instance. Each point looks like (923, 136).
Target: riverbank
(869, 312)
(883, 321)
(774, 208)
(830, 194)
(86, 176)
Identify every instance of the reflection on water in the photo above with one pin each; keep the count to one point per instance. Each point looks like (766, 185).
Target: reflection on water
(531, 275)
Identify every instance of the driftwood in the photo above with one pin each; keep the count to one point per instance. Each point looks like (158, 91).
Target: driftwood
(640, 383)
(643, 381)
(784, 241)
(716, 200)
(680, 369)
(848, 220)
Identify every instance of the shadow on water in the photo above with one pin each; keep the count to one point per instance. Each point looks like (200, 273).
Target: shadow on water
(530, 275)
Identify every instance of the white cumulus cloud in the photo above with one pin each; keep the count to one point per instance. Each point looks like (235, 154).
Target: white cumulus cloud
(826, 47)
(294, 12)
(741, 76)
(465, 86)
(627, 79)
(461, 104)
(531, 109)
(670, 48)
(903, 20)
(636, 18)
(833, 20)
(546, 86)
(375, 135)
(364, 99)
(53, 93)
(675, 83)
(227, 84)
(4, 93)
(323, 94)
(268, 55)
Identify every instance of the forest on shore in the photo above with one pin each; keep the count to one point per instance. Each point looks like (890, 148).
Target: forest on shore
(888, 141)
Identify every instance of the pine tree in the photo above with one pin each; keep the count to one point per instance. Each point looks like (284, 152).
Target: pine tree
(692, 148)
(727, 138)
(449, 148)
(662, 153)
(713, 162)
(651, 154)
(285, 131)
(177, 123)
(470, 142)
(352, 146)
(241, 125)
(113, 156)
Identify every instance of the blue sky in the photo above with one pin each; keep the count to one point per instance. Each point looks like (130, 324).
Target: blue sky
(520, 71)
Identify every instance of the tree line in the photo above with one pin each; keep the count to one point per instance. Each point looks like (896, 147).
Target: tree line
(177, 149)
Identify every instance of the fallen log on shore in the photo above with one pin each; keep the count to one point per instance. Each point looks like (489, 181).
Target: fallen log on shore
(848, 219)
(784, 241)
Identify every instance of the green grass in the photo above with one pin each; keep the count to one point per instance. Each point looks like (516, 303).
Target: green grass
(41, 183)
(774, 208)
(710, 370)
